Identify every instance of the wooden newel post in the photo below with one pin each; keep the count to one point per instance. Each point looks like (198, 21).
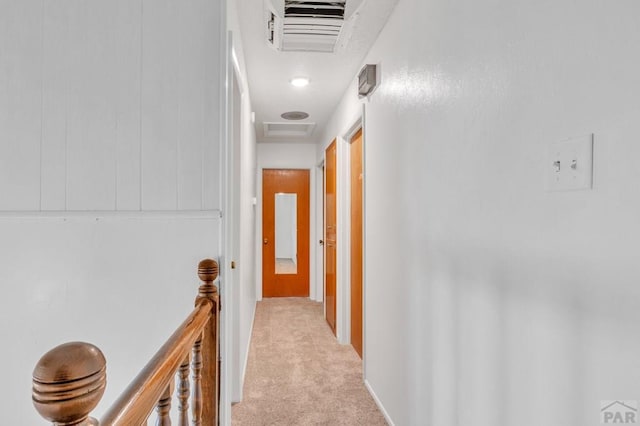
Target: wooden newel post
(208, 293)
(68, 383)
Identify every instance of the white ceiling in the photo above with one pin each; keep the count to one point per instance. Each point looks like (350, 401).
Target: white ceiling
(269, 70)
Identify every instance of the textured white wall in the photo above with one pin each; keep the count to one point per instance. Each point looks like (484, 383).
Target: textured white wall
(490, 301)
(105, 107)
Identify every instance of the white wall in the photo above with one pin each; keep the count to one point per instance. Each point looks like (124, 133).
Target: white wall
(289, 156)
(105, 107)
(488, 300)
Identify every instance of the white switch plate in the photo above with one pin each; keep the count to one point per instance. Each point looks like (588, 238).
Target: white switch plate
(569, 164)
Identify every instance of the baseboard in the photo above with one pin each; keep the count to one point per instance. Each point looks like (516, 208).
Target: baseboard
(379, 404)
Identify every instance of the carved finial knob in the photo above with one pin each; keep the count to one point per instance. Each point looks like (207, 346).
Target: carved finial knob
(208, 270)
(68, 383)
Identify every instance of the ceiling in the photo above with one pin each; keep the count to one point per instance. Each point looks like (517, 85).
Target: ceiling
(270, 70)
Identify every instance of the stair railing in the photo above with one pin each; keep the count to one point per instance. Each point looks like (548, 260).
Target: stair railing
(69, 380)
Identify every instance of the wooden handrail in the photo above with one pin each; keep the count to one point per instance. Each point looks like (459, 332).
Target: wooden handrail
(139, 399)
(69, 380)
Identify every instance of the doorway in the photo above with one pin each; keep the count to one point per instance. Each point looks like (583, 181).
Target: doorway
(285, 232)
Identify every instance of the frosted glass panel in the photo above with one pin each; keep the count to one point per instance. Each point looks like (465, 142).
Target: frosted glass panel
(286, 234)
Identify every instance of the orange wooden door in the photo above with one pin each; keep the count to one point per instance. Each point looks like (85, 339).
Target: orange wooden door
(285, 277)
(330, 235)
(356, 241)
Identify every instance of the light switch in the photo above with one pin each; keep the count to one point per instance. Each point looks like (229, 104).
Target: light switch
(569, 164)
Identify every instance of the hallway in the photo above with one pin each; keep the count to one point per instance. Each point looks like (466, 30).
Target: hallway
(298, 374)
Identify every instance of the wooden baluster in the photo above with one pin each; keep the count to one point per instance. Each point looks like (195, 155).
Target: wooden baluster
(208, 272)
(164, 407)
(197, 383)
(68, 383)
(183, 393)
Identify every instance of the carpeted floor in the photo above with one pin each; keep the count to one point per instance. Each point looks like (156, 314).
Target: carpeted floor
(298, 374)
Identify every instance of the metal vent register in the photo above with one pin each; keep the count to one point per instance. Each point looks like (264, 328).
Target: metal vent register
(307, 26)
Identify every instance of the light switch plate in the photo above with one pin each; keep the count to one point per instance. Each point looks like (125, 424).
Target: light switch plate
(569, 164)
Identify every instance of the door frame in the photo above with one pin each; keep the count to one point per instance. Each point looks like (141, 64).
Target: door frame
(343, 308)
(228, 333)
(319, 226)
(236, 363)
(350, 260)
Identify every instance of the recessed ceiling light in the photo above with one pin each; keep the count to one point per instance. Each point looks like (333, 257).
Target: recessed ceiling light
(299, 81)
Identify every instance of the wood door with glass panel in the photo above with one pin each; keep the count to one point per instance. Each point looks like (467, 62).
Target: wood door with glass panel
(285, 233)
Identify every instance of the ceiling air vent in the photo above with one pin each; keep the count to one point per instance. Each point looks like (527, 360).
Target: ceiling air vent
(306, 25)
(288, 130)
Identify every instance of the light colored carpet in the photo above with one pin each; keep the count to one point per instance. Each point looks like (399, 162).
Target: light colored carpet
(298, 374)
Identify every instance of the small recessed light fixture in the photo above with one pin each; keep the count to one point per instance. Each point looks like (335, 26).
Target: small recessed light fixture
(299, 81)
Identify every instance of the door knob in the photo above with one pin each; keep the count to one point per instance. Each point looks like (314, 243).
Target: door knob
(321, 242)
(265, 241)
